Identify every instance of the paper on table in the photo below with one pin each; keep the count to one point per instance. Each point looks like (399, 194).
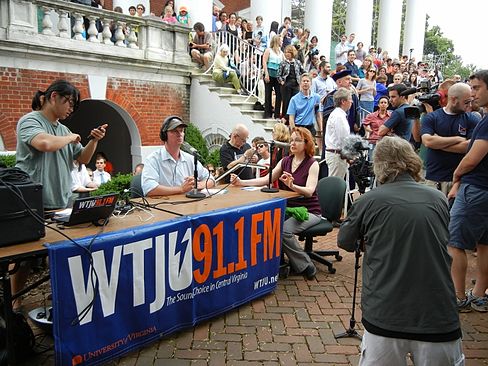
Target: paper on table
(64, 213)
(214, 191)
(251, 188)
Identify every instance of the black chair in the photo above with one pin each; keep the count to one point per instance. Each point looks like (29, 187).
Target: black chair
(136, 186)
(331, 192)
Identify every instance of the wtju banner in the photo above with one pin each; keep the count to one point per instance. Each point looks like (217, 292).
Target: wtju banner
(128, 288)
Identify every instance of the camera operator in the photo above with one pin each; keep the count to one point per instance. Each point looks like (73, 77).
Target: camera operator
(408, 301)
(446, 133)
(398, 123)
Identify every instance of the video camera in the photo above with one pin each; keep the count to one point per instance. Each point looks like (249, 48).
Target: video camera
(429, 95)
(356, 150)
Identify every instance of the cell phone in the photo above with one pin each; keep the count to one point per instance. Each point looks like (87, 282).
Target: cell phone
(90, 136)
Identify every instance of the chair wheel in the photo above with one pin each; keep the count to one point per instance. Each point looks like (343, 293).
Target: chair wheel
(332, 270)
(338, 257)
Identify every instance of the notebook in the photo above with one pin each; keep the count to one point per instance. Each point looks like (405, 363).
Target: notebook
(89, 209)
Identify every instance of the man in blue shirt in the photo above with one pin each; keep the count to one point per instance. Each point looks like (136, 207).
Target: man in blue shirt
(446, 133)
(398, 123)
(304, 109)
(468, 228)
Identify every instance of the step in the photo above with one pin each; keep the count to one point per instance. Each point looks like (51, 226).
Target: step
(268, 123)
(244, 106)
(234, 97)
(222, 89)
(253, 114)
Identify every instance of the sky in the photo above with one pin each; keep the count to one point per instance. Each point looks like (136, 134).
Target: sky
(465, 23)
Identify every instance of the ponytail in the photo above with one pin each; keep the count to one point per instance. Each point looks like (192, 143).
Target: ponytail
(61, 87)
(37, 102)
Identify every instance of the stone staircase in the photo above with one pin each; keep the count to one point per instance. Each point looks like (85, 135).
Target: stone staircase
(244, 103)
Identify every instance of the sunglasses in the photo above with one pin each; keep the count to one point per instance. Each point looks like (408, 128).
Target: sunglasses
(260, 146)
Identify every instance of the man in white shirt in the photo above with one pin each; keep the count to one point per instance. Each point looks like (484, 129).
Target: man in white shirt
(100, 176)
(169, 170)
(336, 131)
(341, 51)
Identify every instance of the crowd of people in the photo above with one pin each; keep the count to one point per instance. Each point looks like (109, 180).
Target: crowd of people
(414, 272)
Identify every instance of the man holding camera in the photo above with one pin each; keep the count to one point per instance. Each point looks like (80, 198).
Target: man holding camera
(468, 227)
(408, 301)
(446, 133)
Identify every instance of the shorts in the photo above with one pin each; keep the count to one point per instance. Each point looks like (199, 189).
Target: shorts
(469, 218)
(382, 351)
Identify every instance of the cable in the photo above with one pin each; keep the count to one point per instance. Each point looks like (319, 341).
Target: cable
(22, 177)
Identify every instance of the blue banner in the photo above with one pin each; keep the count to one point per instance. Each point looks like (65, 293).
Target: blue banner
(137, 285)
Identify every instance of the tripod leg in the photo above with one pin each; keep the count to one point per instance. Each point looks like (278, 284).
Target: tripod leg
(351, 332)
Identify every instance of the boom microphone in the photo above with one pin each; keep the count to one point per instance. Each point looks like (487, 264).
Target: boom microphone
(353, 145)
(408, 92)
(284, 145)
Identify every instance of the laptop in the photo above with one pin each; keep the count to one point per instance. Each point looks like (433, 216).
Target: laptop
(89, 209)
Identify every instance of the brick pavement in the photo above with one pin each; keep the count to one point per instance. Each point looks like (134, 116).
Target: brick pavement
(294, 325)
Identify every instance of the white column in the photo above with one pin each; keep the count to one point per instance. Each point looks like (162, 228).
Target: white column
(359, 20)
(199, 11)
(389, 27)
(270, 10)
(285, 9)
(318, 18)
(414, 29)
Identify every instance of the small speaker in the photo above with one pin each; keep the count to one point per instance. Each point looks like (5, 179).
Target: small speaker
(16, 223)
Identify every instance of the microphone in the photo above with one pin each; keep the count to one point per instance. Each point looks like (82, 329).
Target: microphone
(283, 145)
(408, 91)
(353, 145)
(186, 147)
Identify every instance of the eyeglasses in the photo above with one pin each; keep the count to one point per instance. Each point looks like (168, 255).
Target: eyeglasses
(140, 9)
(67, 99)
(211, 170)
(260, 146)
(241, 138)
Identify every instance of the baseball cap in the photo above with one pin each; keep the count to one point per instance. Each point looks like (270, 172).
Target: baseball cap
(175, 123)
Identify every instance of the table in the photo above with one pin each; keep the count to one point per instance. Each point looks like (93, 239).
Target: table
(197, 215)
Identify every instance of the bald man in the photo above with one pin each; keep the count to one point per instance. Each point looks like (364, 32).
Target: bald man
(236, 151)
(446, 133)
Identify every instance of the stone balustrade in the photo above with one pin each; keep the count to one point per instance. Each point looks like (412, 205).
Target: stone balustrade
(58, 27)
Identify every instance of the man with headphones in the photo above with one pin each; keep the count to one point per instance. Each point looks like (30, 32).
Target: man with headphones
(169, 170)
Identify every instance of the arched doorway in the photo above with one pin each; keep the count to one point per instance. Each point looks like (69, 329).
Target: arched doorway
(122, 143)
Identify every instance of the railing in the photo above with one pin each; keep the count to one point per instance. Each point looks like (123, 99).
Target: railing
(247, 58)
(76, 28)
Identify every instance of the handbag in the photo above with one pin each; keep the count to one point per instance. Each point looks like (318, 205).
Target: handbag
(273, 69)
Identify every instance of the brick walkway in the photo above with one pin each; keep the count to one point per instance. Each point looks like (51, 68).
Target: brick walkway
(295, 325)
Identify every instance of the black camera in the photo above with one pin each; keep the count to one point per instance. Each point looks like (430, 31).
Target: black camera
(429, 95)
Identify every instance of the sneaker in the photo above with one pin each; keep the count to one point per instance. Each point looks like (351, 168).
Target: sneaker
(478, 303)
(463, 305)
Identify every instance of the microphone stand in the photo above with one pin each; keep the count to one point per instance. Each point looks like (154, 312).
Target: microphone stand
(270, 189)
(351, 332)
(194, 192)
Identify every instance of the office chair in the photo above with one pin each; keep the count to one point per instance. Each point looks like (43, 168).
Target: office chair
(331, 192)
(136, 186)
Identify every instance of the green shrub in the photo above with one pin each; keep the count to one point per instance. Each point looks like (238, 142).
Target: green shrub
(117, 184)
(8, 160)
(214, 158)
(194, 137)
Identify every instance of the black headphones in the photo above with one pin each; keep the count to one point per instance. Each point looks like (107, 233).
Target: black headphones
(163, 133)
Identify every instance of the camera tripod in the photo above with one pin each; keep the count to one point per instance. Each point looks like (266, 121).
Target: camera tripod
(351, 332)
